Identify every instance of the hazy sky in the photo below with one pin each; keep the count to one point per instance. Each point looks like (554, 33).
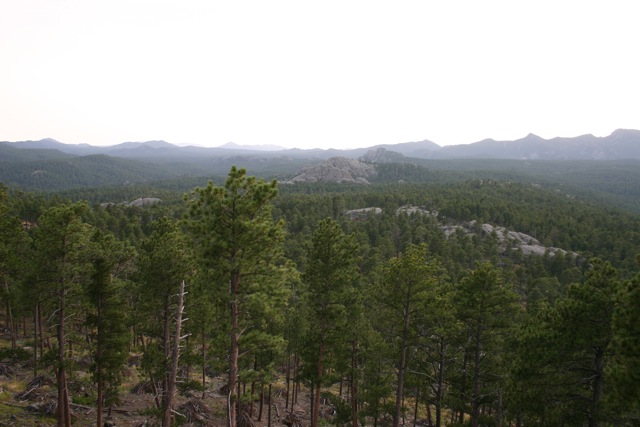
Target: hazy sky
(300, 73)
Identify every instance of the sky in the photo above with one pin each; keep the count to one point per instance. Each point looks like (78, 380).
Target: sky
(316, 74)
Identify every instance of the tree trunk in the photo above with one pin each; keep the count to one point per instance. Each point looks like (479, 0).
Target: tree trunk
(415, 408)
(439, 391)
(204, 361)
(594, 416)
(475, 399)
(233, 350)
(35, 341)
(354, 385)
(269, 410)
(318, 386)
(401, 369)
(99, 365)
(64, 418)
(166, 346)
(175, 355)
(10, 325)
(288, 381)
(296, 384)
(499, 414)
(463, 386)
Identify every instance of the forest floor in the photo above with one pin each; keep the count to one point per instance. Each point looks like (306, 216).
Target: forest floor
(28, 403)
(136, 409)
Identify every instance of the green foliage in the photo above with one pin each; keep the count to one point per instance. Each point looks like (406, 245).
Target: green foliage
(111, 259)
(488, 308)
(624, 370)
(240, 250)
(550, 330)
(330, 277)
(565, 353)
(14, 355)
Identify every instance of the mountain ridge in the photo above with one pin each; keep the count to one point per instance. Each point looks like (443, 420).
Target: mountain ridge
(620, 144)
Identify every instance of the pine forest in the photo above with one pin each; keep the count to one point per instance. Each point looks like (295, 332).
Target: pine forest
(242, 301)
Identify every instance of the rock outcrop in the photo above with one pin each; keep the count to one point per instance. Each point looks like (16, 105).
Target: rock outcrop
(336, 169)
(508, 239)
(362, 214)
(140, 202)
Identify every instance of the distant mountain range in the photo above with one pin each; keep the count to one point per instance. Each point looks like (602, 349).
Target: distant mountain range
(621, 144)
(606, 168)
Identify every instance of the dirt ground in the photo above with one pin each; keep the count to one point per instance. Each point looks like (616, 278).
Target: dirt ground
(30, 405)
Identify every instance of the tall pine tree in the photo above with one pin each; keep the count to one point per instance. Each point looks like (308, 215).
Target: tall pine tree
(240, 247)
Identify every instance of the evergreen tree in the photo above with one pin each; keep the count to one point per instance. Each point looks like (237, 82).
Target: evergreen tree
(625, 367)
(584, 326)
(61, 240)
(165, 263)
(241, 247)
(330, 274)
(563, 355)
(487, 307)
(111, 259)
(408, 282)
(13, 251)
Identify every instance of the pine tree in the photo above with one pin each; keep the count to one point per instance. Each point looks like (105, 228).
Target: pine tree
(166, 261)
(13, 248)
(240, 247)
(110, 260)
(409, 281)
(487, 308)
(330, 276)
(60, 241)
(625, 367)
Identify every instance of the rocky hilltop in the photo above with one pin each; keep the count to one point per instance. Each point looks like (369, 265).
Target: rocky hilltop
(508, 240)
(335, 169)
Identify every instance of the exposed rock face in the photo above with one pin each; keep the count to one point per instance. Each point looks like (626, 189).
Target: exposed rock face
(140, 202)
(508, 239)
(415, 210)
(336, 169)
(362, 214)
(145, 201)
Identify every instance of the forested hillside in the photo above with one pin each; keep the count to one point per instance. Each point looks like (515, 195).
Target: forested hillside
(302, 300)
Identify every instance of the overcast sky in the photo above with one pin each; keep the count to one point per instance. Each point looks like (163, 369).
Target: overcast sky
(307, 74)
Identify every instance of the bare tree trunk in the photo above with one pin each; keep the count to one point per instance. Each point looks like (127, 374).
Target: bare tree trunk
(175, 355)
